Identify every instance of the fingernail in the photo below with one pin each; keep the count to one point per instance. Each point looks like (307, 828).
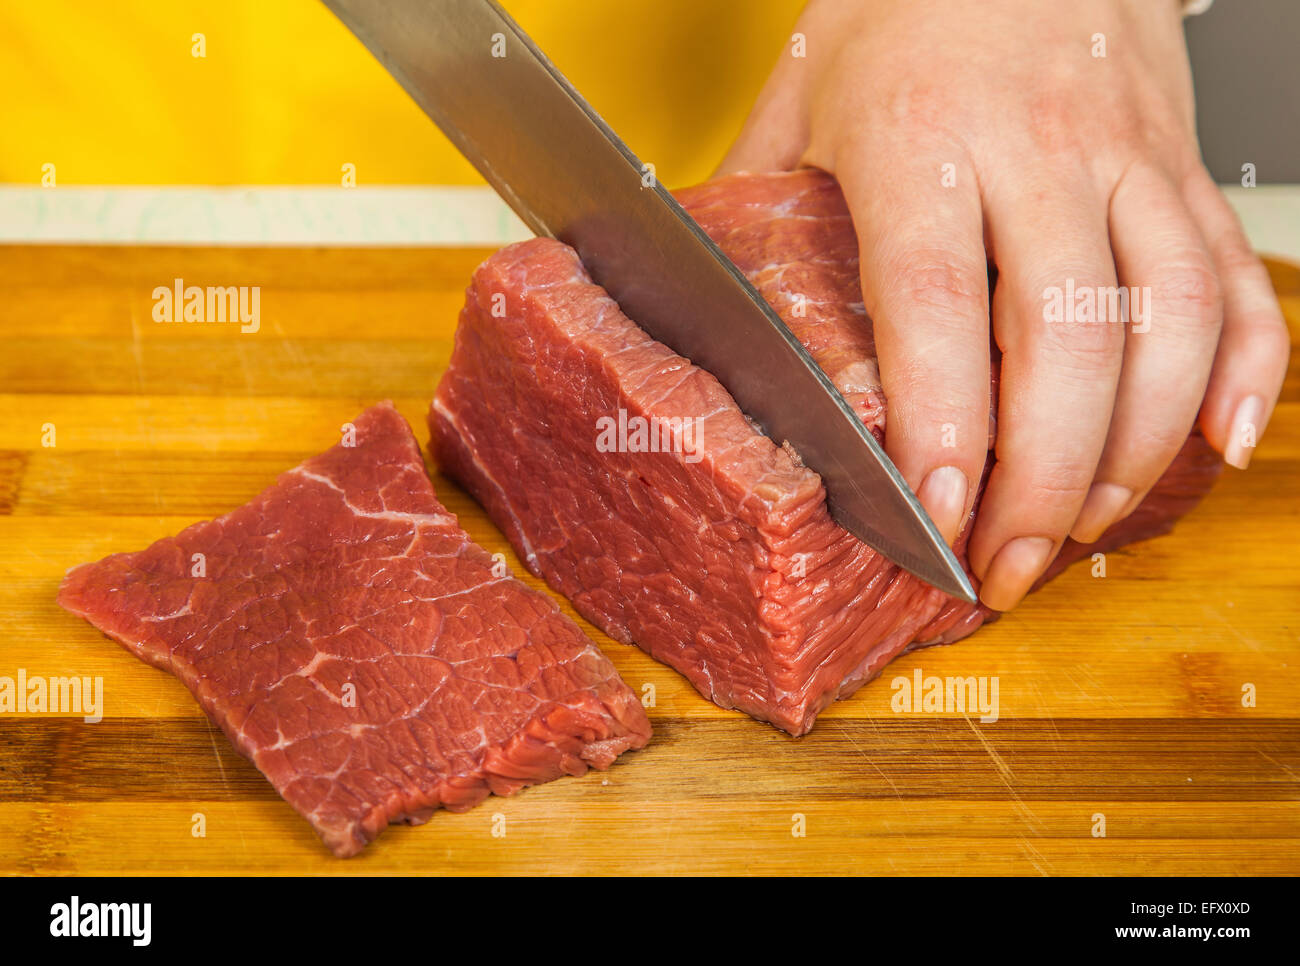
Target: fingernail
(943, 494)
(1013, 571)
(1244, 432)
(1105, 504)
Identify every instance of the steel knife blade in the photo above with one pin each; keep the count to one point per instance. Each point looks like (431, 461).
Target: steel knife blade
(484, 82)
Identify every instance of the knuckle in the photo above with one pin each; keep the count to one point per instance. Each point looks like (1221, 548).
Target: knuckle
(1052, 476)
(939, 281)
(1127, 136)
(940, 438)
(1063, 481)
(1150, 448)
(1061, 487)
(923, 103)
(1237, 258)
(1086, 347)
(1244, 279)
(1270, 338)
(1053, 119)
(931, 409)
(1191, 287)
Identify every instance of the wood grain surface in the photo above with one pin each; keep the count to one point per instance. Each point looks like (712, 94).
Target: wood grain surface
(1118, 696)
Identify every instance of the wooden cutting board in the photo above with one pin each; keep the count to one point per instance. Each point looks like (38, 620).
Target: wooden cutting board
(1120, 697)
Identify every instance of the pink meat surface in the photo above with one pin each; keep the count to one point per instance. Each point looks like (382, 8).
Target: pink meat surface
(718, 556)
(351, 640)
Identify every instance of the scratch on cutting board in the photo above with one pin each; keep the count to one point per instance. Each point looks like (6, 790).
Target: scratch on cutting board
(1045, 709)
(1007, 776)
(1251, 642)
(907, 839)
(212, 739)
(848, 734)
(136, 347)
(1033, 855)
(293, 350)
(217, 754)
(1003, 769)
(145, 428)
(1096, 690)
(1286, 768)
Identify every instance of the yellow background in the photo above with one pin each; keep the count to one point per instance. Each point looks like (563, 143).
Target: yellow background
(109, 92)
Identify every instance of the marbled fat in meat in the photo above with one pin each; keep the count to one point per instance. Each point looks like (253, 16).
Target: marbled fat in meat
(727, 565)
(350, 639)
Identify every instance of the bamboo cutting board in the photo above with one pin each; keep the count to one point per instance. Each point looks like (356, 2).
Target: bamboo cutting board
(1120, 697)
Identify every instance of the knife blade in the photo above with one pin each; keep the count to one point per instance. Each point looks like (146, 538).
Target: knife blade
(567, 175)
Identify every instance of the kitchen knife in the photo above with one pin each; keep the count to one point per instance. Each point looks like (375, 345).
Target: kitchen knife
(567, 175)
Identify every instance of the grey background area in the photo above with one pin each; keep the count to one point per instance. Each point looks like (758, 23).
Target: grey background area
(1246, 67)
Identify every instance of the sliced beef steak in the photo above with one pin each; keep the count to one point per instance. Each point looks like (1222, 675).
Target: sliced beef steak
(714, 552)
(350, 639)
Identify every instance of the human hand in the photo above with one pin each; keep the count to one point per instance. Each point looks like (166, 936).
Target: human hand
(969, 133)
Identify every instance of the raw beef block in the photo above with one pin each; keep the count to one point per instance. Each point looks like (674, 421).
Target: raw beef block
(702, 541)
(349, 639)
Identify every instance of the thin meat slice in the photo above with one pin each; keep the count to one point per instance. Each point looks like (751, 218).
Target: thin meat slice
(713, 551)
(350, 639)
